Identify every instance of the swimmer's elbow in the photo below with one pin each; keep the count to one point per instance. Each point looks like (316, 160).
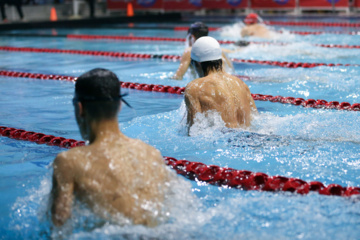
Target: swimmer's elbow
(177, 77)
(60, 213)
(60, 219)
(61, 207)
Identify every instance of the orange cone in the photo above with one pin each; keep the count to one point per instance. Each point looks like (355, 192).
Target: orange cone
(53, 16)
(130, 10)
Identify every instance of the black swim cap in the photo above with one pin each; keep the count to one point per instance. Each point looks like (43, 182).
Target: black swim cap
(198, 29)
(98, 85)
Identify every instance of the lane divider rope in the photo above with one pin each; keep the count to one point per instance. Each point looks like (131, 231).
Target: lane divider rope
(309, 103)
(314, 24)
(165, 57)
(304, 33)
(211, 174)
(39, 138)
(167, 39)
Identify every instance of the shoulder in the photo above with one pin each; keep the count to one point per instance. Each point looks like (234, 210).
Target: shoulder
(194, 87)
(243, 86)
(147, 152)
(191, 85)
(202, 83)
(142, 146)
(62, 159)
(188, 50)
(67, 160)
(260, 26)
(196, 83)
(245, 28)
(238, 80)
(187, 53)
(203, 88)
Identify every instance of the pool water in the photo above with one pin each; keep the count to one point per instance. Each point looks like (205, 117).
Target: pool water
(310, 144)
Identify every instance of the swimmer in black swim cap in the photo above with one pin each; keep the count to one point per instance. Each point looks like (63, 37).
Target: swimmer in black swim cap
(113, 168)
(196, 31)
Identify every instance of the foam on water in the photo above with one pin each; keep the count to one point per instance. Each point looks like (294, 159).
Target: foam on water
(284, 145)
(318, 125)
(293, 145)
(213, 211)
(298, 48)
(233, 32)
(31, 214)
(292, 141)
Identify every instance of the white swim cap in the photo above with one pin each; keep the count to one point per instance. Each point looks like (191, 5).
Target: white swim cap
(206, 49)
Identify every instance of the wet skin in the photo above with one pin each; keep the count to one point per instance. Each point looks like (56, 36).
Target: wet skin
(115, 176)
(220, 92)
(256, 30)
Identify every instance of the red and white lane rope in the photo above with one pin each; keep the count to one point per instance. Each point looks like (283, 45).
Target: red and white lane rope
(39, 138)
(309, 103)
(165, 57)
(167, 39)
(314, 24)
(211, 174)
(303, 33)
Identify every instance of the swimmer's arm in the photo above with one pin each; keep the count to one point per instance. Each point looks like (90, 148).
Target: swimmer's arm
(245, 32)
(184, 65)
(62, 191)
(227, 61)
(252, 102)
(253, 106)
(225, 50)
(192, 104)
(238, 49)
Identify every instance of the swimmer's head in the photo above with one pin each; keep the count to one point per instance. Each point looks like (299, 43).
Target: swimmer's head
(206, 55)
(98, 91)
(206, 49)
(251, 18)
(199, 30)
(196, 31)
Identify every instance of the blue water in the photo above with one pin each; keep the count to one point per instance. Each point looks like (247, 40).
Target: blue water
(286, 140)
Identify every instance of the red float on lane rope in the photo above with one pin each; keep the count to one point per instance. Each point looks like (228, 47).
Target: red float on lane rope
(314, 24)
(39, 138)
(310, 103)
(170, 57)
(304, 33)
(212, 174)
(133, 38)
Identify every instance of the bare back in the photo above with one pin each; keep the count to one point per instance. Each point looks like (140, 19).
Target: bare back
(223, 93)
(116, 176)
(256, 30)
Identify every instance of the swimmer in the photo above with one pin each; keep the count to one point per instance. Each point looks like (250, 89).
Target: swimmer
(196, 31)
(117, 177)
(254, 28)
(216, 90)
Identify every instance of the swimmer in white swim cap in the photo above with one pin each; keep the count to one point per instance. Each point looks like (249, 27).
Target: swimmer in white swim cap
(196, 31)
(216, 90)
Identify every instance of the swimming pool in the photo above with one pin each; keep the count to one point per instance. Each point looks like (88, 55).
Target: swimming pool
(310, 144)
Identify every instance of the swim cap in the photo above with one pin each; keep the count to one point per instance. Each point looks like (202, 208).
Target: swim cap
(252, 18)
(198, 29)
(206, 49)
